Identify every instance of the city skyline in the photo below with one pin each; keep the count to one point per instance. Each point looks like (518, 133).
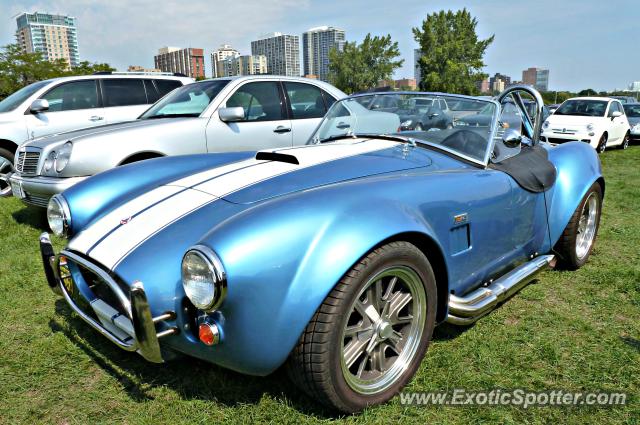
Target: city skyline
(576, 59)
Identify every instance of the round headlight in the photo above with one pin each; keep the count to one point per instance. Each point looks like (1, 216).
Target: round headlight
(590, 127)
(545, 125)
(58, 216)
(50, 160)
(203, 278)
(63, 156)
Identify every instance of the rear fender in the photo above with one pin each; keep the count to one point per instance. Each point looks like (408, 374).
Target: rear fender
(578, 168)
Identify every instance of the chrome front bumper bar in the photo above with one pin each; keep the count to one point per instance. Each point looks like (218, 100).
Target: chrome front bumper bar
(135, 332)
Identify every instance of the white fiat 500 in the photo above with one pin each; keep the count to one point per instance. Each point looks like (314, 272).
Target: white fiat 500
(599, 121)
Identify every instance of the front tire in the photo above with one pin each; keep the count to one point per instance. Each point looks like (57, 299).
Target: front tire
(579, 237)
(367, 339)
(602, 144)
(6, 166)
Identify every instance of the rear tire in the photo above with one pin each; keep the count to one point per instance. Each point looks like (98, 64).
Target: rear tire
(367, 339)
(579, 237)
(625, 141)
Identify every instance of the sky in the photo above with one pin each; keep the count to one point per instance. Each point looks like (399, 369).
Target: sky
(583, 43)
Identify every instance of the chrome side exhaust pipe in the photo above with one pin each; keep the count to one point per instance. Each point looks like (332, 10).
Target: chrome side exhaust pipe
(471, 307)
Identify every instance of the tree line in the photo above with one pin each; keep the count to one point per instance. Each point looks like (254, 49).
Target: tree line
(19, 68)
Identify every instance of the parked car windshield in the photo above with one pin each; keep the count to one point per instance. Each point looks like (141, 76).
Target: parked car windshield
(582, 107)
(632, 110)
(16, 99)
(187, 101)
(424, 117)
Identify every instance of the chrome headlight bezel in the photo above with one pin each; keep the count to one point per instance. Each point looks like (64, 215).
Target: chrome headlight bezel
(63, 156)
(50, 161)
(545, 125)
(590, 127)
(214, 277)
(59, 216)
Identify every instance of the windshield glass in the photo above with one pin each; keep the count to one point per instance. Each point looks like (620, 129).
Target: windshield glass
(424, 117)
(16, 99)
(632, 111)
(583, 107)
(187, 101)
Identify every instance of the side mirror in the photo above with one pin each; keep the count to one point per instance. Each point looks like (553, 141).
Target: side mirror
(39, 105)
(231, 114)
(512, 138)
(616, 114)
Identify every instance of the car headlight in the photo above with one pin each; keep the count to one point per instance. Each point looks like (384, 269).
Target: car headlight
(203, 278)
(63, 156)
(545, 125)
(49, 161)
(58, 216)
(590, 127)
(406, 123)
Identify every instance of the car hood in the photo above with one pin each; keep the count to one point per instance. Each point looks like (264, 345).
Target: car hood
(266, 175)
(566, 120)
(104, 130)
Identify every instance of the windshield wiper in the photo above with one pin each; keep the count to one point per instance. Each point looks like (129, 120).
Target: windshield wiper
(172, 116)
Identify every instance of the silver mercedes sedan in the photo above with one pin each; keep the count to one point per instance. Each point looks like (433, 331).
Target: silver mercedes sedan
(218, 115)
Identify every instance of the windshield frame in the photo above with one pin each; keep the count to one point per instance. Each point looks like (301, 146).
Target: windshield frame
(202, 114)
(41, 86)
(492, 134)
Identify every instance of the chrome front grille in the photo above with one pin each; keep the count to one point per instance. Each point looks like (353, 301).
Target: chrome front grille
(27, 161)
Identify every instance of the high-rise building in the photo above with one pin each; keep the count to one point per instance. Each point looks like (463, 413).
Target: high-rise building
(316, 44)
(282, 52)
(55, 36)
(189, 61)
(634, 86)
(483, 86)
(499, 82)
(417, 72)
(225, 51)
(243, 65)
(537, 77)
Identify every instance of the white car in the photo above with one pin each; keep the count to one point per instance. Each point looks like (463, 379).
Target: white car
(70, 103)
(599, 121)
(247, 113)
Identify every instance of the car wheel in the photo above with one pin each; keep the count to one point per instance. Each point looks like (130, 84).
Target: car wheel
(602, 144)
(6, 166)
(577, 240)
(418, 127)
(368, 337)
(625, 142)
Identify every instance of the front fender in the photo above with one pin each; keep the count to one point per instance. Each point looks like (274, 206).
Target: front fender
(578, 167)
(284, 257)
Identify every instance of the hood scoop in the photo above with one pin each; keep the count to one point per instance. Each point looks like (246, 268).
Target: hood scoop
(277, 156)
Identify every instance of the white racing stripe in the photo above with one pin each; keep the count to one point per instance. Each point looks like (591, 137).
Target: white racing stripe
(108, 241)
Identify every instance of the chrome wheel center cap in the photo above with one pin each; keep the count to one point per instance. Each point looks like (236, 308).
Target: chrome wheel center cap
(385, 330)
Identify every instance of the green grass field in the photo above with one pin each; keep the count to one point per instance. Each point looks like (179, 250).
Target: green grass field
(575, 331)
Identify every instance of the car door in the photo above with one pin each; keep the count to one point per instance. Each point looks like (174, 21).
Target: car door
(124, 99)
(617, 124)
(72, 105)
(265, 124)
(529, 226)
(307, 105)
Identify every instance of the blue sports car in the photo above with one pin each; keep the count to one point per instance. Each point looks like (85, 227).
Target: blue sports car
(336, 259)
